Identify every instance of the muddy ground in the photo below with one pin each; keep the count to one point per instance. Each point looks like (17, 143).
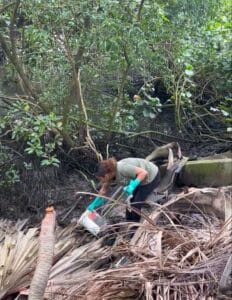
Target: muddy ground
(58, 186)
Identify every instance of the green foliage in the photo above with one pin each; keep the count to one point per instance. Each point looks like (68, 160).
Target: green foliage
(200, 69)
(10, 176)
(226, 110)
(35, 130)
(185, 44)
(9, 173)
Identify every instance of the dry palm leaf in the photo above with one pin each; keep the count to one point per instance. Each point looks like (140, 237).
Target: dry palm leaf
(167, 261)
(19, 252)
(18, 258)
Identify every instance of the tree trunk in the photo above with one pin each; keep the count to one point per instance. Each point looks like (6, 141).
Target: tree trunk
(45, 258)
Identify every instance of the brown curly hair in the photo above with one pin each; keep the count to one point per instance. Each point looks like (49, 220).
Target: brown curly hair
(105, 167)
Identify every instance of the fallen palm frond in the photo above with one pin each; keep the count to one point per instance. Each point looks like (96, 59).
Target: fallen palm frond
(17, 260)
(167, 261)
(10, 227)
(181, 254)
(19, 253)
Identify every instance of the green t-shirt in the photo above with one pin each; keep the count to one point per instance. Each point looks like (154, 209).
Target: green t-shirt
(126, 170)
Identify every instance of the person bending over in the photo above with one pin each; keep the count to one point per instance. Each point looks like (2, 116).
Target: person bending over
(138, 176)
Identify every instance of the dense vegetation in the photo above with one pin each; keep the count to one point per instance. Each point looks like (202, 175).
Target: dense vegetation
(76, 73)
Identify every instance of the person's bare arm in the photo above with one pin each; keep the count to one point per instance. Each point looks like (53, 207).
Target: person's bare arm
(141, 174)
(104, 189)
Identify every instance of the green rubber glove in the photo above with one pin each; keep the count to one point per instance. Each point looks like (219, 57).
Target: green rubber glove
(129, 189)
(97, 202)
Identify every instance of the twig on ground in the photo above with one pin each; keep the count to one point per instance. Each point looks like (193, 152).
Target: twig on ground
(71, 209)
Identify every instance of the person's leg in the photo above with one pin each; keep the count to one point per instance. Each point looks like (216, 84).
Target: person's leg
(140, 195)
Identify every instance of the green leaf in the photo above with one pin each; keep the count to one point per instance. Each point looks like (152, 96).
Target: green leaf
(45, 162)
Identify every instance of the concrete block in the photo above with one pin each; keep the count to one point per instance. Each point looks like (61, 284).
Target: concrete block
(209, 172)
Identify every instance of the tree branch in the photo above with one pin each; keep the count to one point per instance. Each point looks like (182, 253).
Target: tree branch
(120, 95)
(13, 57)
(5, 47)
(83, 131)
(12, 24)
(18, 65)
(138, 17)
(6, 6)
